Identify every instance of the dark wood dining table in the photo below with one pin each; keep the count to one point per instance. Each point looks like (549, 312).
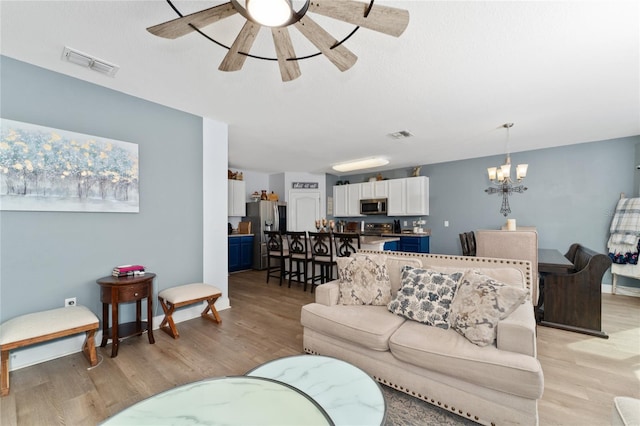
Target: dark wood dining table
(551, 261)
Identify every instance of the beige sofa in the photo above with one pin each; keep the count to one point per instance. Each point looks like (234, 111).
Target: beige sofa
(496, 384)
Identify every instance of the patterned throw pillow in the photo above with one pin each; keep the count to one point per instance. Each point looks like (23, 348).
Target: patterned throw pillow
(480, 303)
(363, 281)
(425, 296)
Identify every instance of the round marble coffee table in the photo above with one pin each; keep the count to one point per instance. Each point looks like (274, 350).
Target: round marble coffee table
(226, 400)
(348, 394)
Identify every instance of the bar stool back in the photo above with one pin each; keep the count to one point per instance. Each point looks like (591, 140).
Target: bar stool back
(276, 251)
(298, 255)
(322, 256)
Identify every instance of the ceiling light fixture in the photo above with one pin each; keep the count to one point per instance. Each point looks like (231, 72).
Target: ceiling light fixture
(88, 61)
(270, 13)
(365, 163)
(501, 177)
(281, 15)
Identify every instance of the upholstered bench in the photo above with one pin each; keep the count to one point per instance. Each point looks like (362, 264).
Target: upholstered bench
(188, 294)
(42, 326)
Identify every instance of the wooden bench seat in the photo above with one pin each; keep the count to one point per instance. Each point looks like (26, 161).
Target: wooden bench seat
(188, 294)
(29, 329)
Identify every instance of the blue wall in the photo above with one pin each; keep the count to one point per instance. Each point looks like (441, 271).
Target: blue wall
(572, 194)
(49, 256)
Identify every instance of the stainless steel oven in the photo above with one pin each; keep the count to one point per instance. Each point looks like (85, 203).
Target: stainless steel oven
(377, 206)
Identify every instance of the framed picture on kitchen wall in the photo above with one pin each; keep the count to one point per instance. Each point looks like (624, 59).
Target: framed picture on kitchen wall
(46, 169)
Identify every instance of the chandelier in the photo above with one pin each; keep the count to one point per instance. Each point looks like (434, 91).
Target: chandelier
(500, 177)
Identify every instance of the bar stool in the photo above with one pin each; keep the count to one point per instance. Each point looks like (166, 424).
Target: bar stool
(298, 254)
(276, 251)
(321, 256)
(346, 243)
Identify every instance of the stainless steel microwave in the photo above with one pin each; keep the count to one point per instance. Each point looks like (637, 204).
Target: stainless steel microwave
(378, 206)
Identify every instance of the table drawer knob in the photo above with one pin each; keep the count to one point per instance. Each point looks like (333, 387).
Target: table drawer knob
(135, 294)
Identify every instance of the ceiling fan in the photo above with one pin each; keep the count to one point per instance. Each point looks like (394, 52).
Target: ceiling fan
(279, 15)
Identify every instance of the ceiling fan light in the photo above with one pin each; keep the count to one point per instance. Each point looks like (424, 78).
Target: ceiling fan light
(272, 13)
(366, 163)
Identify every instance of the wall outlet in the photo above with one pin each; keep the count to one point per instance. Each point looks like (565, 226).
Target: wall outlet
(446, 223)
(405, 223)
(70, 302)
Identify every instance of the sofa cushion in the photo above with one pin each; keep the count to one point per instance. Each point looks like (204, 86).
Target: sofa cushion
(425, 296)
(449, 353)
(363, 280)
(480, 302)
(367, 326)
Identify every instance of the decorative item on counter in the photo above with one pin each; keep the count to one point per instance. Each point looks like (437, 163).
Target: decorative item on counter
(379, 176)
(511, 224)
(273, 196)
(416, 171)
(264, 196)
(234, 175)
(255, 196)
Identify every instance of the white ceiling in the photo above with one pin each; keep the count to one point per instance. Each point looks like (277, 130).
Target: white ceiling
(565, 72)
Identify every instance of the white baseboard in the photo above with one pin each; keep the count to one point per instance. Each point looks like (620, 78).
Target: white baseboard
(35, 354)
(622, 290)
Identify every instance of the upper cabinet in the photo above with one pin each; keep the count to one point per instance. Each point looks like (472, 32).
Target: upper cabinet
(405, 197)
(408, 197)
(237, 205)
(346, 200)
(375, 189)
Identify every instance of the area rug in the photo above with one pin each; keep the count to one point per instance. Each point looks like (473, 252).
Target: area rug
(405, 410)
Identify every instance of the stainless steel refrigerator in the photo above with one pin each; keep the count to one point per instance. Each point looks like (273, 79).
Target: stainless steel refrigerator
(264, 216)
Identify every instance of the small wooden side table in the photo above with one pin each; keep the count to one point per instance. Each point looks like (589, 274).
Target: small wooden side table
(113, 291)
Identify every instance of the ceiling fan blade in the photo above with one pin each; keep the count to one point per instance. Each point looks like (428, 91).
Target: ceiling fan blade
(182, 26)
(233, 60)
(340, 56)
(387, 20)
(289, 70)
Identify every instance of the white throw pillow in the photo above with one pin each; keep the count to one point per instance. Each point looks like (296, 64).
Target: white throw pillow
(363, 280)
(479, 304)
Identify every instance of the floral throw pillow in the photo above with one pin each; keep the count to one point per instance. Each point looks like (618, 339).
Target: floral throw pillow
(480, 303)
(363, 280)
(425, 296)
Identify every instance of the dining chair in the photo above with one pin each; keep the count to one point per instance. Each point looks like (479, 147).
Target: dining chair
(346, 243)
(298, 255)
(322, 257)
(276, 251)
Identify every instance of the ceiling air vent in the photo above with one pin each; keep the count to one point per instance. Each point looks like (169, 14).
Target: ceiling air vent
(82, 59)
(402, 134)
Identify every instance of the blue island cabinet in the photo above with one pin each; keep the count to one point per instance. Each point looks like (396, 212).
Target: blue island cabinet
(240, 252)
(414, 244)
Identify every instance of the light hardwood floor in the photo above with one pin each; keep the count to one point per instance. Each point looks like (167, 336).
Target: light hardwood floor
(582, 373)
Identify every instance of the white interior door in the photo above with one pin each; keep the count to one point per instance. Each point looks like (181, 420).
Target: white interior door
(303, 209)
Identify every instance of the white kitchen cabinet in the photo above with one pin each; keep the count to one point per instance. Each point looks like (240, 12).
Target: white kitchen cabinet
(340, 196)
(237, 198)
(408, 197)
(374, 190)
(346, 200)
(353, 206)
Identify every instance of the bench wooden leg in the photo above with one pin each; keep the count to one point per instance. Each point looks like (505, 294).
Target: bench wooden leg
(5, 373)
(167, 325)
(214, 316)
(89, 348)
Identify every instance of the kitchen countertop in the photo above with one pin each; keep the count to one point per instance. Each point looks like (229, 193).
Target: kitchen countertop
(240, 235)
(369, 239)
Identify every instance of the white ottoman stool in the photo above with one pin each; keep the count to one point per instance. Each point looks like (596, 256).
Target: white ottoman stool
(626, 411)
(188, 294)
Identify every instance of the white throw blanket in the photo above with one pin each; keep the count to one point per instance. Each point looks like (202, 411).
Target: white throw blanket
(625, 227)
